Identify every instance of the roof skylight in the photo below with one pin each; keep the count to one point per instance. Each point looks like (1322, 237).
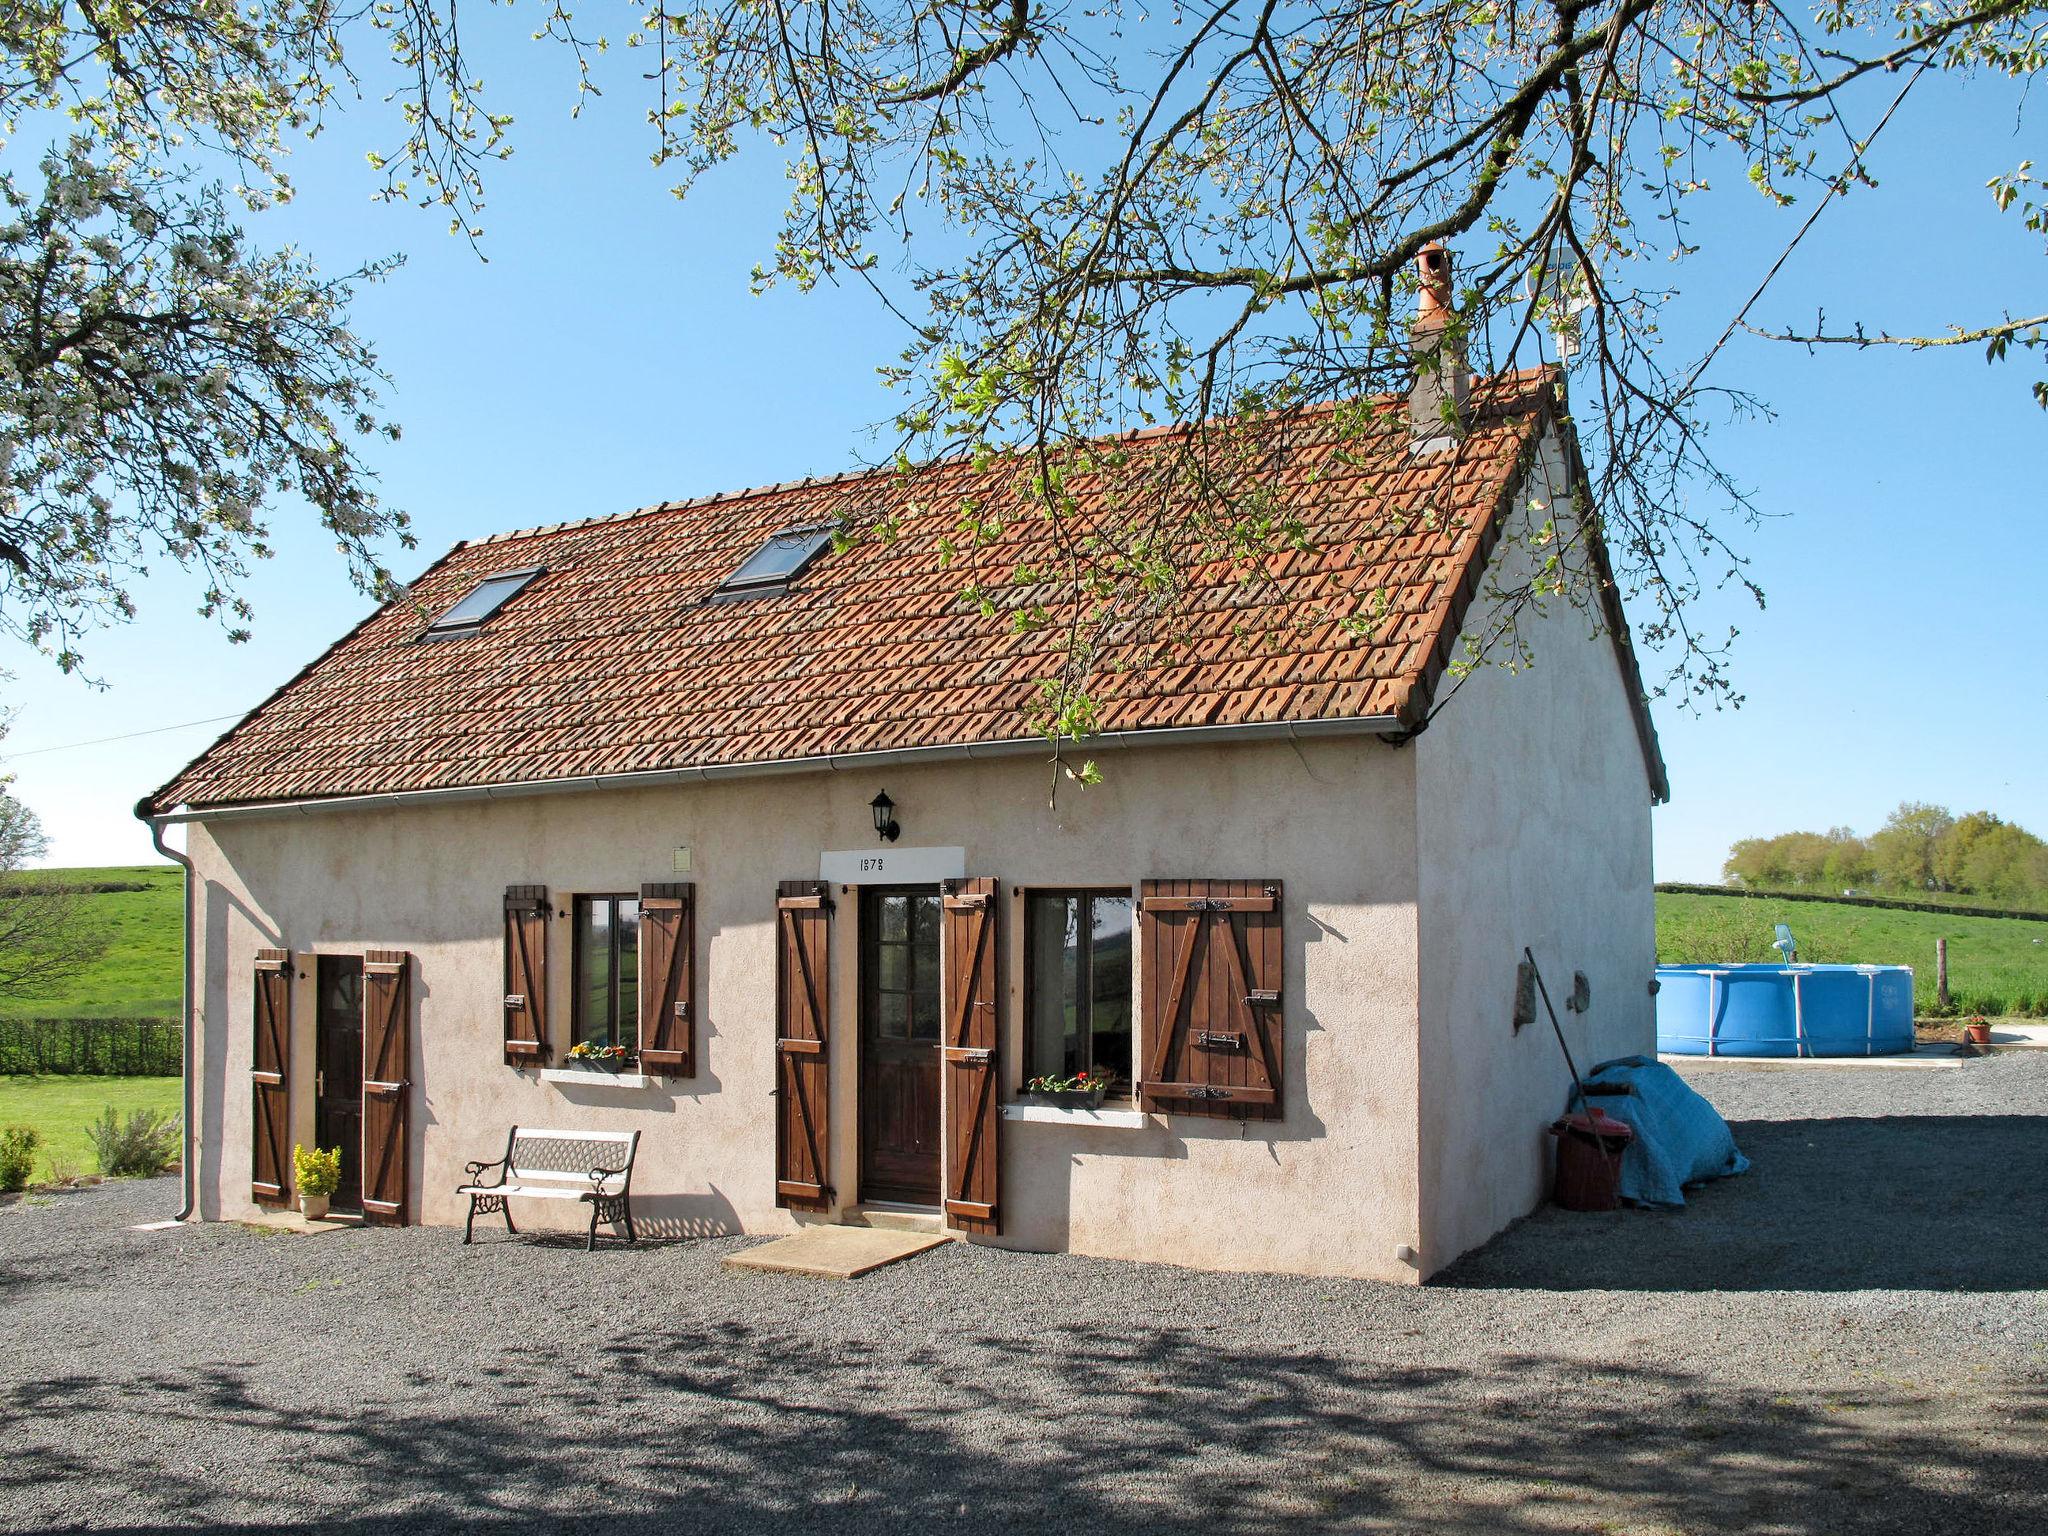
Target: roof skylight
(483, 600)
(777, 563)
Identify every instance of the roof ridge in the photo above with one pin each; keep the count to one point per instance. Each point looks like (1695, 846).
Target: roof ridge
(964, 456)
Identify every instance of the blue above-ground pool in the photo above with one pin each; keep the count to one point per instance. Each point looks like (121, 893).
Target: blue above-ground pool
(1784, 1010)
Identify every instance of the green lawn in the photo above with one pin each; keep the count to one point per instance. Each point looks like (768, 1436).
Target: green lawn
(62, 1107)
(139, 975)
(1996, 965)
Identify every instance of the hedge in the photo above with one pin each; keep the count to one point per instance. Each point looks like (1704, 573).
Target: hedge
(91, 1047)
(1894, 903)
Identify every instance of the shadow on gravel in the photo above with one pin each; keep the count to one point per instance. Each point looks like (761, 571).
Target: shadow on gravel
(1902, 1202)
(723, 1429)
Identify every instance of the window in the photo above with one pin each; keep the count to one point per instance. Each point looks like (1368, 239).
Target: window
(483, 600)
(902, 971)
(1077, 991)
(773, 566)
(607, 967)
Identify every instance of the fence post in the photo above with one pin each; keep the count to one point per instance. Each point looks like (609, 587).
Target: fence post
(1941, 973)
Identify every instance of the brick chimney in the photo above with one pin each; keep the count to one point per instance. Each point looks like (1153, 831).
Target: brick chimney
(1441, 374)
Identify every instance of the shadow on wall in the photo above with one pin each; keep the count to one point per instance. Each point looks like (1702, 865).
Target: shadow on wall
(1914, 1203)
(730, 1428)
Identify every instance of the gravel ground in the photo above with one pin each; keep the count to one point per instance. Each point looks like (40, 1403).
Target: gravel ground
(1851, 1337)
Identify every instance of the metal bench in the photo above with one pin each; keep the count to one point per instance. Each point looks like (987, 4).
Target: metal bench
(595, 1166)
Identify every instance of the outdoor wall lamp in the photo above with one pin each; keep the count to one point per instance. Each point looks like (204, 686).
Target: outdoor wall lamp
(885, 817)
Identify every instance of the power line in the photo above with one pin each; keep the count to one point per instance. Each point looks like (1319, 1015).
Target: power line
(100, 741)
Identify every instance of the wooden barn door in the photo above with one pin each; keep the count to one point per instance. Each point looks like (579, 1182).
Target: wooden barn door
(972, 1057)
(387, 1065)
(803, 1024)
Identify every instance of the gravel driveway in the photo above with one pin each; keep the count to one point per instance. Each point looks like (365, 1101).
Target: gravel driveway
(1852, 1337)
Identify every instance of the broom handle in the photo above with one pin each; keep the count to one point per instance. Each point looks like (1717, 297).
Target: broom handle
(1579, 1086)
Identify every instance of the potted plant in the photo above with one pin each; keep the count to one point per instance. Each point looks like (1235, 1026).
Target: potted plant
(318, 1173)
(1976, 1030)
(1081, 1091)
(604, 1058)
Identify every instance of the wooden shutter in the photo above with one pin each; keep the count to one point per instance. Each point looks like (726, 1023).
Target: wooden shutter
(271, 1079)
(668, 979)
(973, 1120)
(1213, 1028)
(387, 1063)
(803, 926)
(526, 975)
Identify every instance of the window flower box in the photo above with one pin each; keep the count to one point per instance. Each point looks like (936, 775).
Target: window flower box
(1078, 1092)
(600, 1058)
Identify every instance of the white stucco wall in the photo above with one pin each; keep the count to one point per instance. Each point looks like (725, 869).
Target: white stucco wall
(1532, 828)
(1331, 1188)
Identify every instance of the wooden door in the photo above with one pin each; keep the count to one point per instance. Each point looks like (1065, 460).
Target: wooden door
(899, 1045)
(338, 1089)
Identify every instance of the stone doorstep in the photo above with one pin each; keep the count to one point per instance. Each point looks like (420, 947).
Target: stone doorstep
(293, 1222)
(835, 1253)
(891, 1218)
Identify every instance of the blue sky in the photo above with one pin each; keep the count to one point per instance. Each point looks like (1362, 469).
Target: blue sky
(609, 354)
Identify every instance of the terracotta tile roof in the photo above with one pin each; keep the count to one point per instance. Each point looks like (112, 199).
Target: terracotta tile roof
(612, 663)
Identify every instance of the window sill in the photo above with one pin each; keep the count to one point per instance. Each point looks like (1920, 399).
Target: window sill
(579, 1077)
(1047, 1114)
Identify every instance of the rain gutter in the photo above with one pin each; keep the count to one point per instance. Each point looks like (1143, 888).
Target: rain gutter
(1390, 727)
(187, 1176)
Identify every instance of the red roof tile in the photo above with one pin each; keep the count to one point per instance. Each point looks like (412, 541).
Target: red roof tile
(611, 662)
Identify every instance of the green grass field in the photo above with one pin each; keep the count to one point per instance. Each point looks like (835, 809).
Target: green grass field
(1996, 965)
(62, 1107)
(139, 975)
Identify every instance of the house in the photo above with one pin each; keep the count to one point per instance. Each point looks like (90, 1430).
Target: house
(771, 816)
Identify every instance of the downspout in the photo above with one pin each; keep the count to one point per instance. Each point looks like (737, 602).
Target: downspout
(186, 1174)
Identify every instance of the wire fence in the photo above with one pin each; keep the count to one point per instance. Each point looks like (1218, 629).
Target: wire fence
(91, 1047)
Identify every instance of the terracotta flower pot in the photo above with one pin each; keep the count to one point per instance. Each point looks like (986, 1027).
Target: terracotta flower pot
(313, 1207)
(1977, 1034)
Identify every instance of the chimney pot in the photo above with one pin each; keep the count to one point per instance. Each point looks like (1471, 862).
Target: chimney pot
(1442, 378)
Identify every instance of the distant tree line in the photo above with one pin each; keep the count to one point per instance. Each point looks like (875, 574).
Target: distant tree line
(1921, 848)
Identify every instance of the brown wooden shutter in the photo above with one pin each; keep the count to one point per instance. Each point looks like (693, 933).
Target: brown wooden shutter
(668, 979)
(970, 934)
(271, 1079)
(387, 1066)
(1213, 1026)
(526, 975)
(803, 926)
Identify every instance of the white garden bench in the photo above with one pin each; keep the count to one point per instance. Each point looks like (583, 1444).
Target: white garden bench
(595, 1166)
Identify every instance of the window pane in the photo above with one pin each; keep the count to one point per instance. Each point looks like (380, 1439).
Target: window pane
(626, 1022)
(1110, 977)
(781, 557)
(484, 599)
(924, 929)
(891, 968)
(594, 968)
(895, 919)
(1054, 966)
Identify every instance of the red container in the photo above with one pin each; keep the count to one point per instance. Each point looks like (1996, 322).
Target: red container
(1589, 1149)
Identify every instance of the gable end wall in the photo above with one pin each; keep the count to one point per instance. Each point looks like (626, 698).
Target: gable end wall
(1532, 828)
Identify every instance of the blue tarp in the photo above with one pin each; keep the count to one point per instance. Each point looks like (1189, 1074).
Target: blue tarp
(1680, 1138)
